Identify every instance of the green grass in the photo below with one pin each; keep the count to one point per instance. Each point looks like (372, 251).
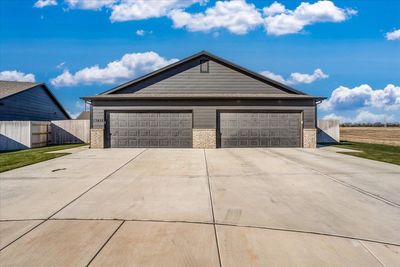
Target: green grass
(17, 159)
(384, 153)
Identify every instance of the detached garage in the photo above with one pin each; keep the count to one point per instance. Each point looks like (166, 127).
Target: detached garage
(203, 101)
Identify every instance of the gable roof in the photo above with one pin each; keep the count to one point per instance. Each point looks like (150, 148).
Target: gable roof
(110, 93)
(84, 115)
(10, 88)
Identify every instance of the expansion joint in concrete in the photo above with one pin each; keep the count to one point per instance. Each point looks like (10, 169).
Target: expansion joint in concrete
(212, 208)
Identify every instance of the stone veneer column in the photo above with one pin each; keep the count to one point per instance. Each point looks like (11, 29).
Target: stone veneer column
(309, 138)
(96, 138)
(204, 138)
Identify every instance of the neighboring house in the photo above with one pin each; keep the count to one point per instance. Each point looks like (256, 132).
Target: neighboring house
(26, 101)
(203, 101)
(84, 115)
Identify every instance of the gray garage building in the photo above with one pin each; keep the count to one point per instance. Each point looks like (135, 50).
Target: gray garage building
(203, 101)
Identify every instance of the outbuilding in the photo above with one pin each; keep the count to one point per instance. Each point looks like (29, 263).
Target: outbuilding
(203, 101)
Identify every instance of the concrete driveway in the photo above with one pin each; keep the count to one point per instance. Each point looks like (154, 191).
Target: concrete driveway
(225, 207)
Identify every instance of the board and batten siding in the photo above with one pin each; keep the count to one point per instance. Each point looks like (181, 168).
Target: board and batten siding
(33, 104)
(187, 79)
(205, 112)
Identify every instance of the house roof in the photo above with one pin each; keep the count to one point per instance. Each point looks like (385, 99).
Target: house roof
(110, 93)
(10, 88)
(84, 115)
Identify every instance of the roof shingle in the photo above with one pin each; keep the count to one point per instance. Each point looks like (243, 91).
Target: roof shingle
(8, 88)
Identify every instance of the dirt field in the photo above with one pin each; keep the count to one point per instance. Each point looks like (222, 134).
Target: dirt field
(372, 135)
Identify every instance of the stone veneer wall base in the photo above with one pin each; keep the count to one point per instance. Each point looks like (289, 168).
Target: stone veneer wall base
(96, 138)
(204, 138)
(309, 138)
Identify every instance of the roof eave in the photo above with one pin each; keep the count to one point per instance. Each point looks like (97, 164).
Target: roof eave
(161, 97)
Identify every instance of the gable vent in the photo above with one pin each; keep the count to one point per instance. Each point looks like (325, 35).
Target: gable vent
(204, 68)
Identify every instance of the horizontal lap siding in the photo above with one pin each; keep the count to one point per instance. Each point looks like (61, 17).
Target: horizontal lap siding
(33, 104)
(188, 79)
(204, 118)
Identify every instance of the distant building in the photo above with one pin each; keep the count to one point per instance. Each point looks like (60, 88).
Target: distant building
(21, 101)
(85, 115)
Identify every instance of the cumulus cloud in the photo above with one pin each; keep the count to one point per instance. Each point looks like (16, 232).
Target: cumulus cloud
(128, 67)
(13, 75)
(344, 98)
(236, 16)
(274, 8)
(281, 21)
(126, 10)
(90, 4)
(394, 35)
(274, 76)
(362, 116)
(296, 77)
(44, 3)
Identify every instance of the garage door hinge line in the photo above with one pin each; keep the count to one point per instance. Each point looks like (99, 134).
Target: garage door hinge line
(105, 243)
(212, 208)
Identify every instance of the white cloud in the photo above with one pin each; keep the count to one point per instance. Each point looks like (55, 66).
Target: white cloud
(90, 4)
(128, 67)
(363, 116)
(293, 21)
(80, 105)
(394, 35)
(296, 77)
(344, 98)
(273, 76)
(44, 3)
(140, 32)
(61, 65)
(236, 16)
(126, 10)
(73, 115)
(13, 75)
(274, 8)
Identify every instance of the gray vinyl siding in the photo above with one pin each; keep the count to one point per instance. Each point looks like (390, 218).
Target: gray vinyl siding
(33, 104)
(204, 118)
(187, 79)
(205, 112)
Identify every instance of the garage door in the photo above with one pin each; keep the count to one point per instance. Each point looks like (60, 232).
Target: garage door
(259, 129)
(150, 129)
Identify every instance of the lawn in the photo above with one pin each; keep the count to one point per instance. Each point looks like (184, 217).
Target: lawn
(385, 153)
(16, 159)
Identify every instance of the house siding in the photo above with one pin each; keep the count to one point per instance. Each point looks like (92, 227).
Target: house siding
(187, 79)
(33, 104)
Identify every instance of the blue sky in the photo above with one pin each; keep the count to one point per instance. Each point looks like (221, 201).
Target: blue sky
(348, 50)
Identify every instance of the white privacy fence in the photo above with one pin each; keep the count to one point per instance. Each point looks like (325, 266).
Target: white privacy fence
(328, 131)
(16, 135)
